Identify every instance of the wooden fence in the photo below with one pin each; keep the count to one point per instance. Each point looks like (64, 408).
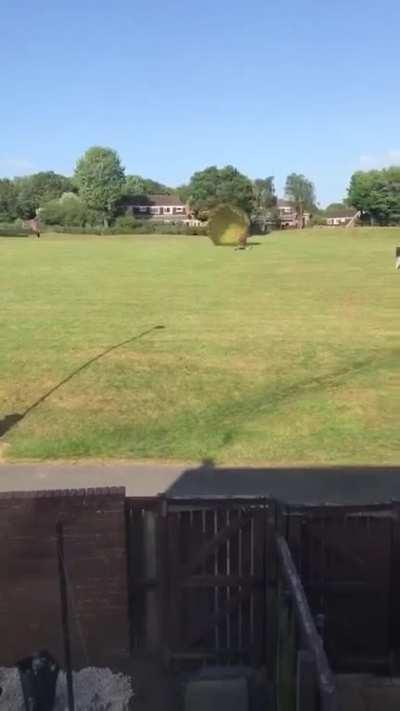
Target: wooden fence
(204, 575)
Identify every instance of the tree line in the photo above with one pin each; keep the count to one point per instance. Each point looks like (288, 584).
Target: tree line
(100, 190)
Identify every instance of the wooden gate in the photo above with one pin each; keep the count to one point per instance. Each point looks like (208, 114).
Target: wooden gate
(213, 582)
(345, 562)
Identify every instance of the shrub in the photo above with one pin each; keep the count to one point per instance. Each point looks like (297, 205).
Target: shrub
(125, 224)
(145, 227)
(14, 229)
(68, 211)
(130, 226)
(74, 229)
(318, 220)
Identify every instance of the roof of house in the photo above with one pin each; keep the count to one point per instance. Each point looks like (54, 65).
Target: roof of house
(156, 201)
(341, 212)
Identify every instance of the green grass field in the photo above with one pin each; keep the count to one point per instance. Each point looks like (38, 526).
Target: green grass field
(286, 353)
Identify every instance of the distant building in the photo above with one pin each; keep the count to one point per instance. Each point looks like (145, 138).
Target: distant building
(288, 216)
(341, 216)
(160, 208)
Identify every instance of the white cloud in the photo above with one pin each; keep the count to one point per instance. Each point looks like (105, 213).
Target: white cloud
(384, 160)
(15, 166)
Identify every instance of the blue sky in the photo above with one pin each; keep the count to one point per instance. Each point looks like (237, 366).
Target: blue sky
(307, 85)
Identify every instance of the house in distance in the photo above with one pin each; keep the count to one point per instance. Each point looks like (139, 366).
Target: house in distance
(288, 216)
(161, 208)
(341, 216)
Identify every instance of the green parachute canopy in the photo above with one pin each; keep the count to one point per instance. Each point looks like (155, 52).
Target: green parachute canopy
(228, 226)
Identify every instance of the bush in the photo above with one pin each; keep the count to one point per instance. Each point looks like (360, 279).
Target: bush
(147, 227)
(128, 225)
(14, 229)
(125, 224)
(68, 211)
(318, 220)
(74, 230)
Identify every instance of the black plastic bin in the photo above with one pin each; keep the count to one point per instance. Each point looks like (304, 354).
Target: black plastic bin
(38, 675)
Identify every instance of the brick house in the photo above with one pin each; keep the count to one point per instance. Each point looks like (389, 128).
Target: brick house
(288, 215)
(163, 208)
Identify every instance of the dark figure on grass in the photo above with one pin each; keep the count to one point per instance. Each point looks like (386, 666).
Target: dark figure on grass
(34, 226)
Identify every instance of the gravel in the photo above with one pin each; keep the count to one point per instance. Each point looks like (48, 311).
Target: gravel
(94, 690)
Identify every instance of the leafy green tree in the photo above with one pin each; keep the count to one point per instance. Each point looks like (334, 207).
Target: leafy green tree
(264, 203)
(100, 178)
(335, 206)
(301, 192)
(37, 189)
(214, 186)
(8, 200)
(264, 193)
(136, 185)
(377, 194)
(183, 192)
(153, 187)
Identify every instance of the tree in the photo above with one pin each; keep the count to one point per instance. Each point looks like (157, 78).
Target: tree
(183, 192)
(264, 202)
(8, 200)
(68, 211)
(264, 193)
(335, 206)
(301, 192)
(214, 186)
(39, 188)
(377, 194)
(100, 178)
(136, 185)
(153, 187)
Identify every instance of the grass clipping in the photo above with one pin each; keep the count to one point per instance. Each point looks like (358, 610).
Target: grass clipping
(228, 226)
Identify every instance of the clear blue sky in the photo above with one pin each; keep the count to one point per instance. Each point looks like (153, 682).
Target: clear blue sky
(306, 85)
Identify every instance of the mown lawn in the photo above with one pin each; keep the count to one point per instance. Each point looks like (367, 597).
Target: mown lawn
(286, 353)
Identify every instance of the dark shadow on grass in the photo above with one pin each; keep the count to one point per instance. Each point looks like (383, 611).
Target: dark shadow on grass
(11, 420)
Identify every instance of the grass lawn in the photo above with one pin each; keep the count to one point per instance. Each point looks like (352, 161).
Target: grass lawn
(286, 353)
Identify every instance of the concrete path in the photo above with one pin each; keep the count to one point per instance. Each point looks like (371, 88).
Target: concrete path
(341, 485)
(138, 479)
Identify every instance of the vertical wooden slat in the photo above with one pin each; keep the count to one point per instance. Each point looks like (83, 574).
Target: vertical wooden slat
(163, 576)
(234, 570)
(258, 595)
(174, 612)
(228, 589)
(306, 692)
(394, 586)
(252, 573)
(222, 589)
(216, 595)
(271, 593)
(240, 572)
